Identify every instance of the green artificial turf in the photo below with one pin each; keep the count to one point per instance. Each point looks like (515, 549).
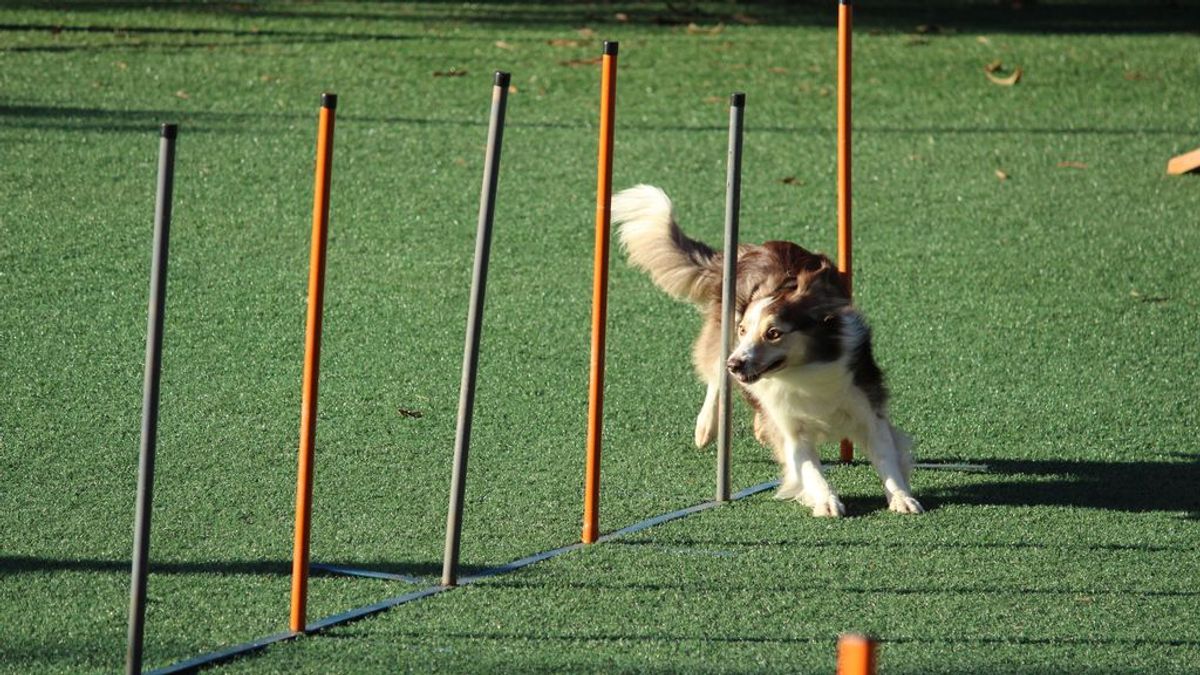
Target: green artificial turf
(1027, 266)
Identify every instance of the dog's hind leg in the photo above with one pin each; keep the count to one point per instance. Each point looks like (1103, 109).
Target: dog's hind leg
(889, 450)
(706, 421)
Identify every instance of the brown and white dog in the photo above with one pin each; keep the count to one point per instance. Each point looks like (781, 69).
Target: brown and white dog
(803, 356)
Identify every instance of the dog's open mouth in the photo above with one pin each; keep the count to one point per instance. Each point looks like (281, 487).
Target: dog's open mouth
(746, 377)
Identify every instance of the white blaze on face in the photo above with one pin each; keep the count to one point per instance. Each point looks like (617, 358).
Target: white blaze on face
(750, 328)
(755, 353)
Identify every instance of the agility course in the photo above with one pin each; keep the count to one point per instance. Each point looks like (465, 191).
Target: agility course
(301, 560)
(1025, 567)
(851, 659)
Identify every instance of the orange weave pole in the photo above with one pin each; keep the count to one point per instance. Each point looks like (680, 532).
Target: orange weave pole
(312, 357)
(591, 488)
(844, 245)
(1189, 161)
(856, 655)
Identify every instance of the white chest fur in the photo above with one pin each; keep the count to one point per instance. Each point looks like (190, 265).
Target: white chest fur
(817, 401)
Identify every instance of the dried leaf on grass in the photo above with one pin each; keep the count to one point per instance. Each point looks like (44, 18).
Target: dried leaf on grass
(621, 17)
(694, 29)
(1003, 80)
(1001, 174)
(714, 99)
(1141, 297)
(501, 44)
(182, 94)
(745, 19)
(564, 42)
(453, 72)
(586, 32)
(791, 180)
(778, 70)
(409, 413)
(1072, 165)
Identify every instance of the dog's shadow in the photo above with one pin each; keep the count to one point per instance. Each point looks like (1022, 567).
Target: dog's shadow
(1134, 487)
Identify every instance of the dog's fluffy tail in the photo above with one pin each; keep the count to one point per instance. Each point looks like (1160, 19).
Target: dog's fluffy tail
(683, 267)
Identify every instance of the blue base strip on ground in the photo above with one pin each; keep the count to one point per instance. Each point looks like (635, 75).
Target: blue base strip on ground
(236, 651)
(356, 572)
(212, 658)
(381, 606)
(518, 564)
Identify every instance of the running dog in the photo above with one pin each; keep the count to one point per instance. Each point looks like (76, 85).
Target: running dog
(803, 356)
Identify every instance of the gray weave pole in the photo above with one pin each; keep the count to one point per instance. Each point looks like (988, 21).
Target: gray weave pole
(154, 327)
(733, 202)
(466, 398)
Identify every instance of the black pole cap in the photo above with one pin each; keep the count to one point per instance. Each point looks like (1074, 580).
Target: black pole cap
(169, 130)
(329, 100)
(610, 48)
(737, 99)
(501, 79)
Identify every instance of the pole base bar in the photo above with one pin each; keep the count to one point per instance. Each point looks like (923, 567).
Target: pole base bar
(952, 466)
(227, 654)
(359, 572)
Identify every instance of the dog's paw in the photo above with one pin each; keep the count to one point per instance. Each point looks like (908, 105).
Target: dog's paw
(706, 430)
(792, 490)
(904, 503)
(829, 507)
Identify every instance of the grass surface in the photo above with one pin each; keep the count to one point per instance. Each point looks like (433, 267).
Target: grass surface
(1041, 320)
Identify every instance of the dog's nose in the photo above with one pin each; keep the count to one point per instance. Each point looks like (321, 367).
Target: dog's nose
(735, 364)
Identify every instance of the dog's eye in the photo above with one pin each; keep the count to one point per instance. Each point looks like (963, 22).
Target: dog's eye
(741, 330)
(772, 334)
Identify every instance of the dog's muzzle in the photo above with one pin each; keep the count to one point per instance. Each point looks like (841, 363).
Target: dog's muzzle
(741, 369)
(746, 372)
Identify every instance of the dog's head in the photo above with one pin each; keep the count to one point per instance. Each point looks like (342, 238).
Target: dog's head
(796, 323)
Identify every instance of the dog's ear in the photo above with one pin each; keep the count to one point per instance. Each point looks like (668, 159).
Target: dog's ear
(821, 279)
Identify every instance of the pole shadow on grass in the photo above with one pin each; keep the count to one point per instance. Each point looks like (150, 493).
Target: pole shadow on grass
(75, 118)
(666, 636)
(133, 37)
(809, 128)
(934, 16)
(818, 587)
(18, 564)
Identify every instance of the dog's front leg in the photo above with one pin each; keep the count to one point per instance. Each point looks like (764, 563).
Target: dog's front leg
(889, 457)
(706, 421)
(803, 479)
